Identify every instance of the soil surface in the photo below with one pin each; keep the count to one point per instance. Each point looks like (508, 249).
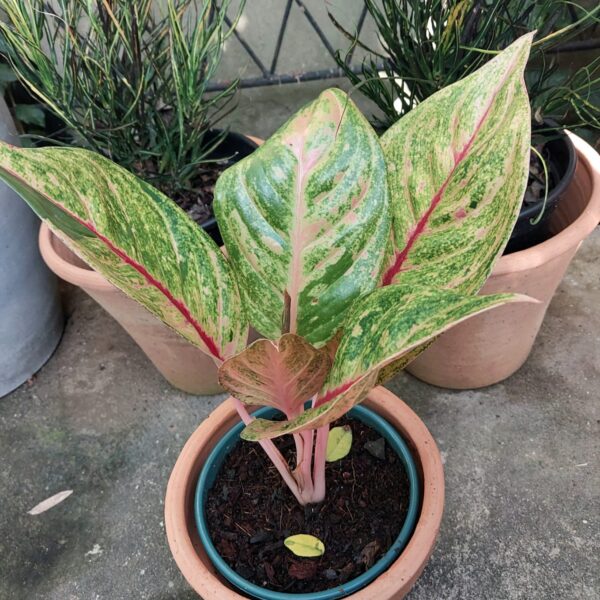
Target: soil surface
(197, 202)
(250, 512)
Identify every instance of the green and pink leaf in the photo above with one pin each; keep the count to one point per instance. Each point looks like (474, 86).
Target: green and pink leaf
(283, 374)
(305, 219)
(382, 327)
(457, 171)
(135, 237)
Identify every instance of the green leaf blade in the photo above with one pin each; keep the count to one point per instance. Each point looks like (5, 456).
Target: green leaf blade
(305, 219)
(392, 321)
(135, 237)
(382, 327)
(457, 169)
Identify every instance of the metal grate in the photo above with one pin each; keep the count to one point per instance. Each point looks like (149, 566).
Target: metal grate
(270, 76)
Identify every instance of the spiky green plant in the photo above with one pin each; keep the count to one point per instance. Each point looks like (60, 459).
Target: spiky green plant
(430, 44)
(128, 77)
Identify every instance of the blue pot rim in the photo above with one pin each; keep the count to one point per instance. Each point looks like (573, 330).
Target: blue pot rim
(213, 464)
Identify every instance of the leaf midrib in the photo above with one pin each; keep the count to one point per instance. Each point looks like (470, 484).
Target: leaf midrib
(295, 279)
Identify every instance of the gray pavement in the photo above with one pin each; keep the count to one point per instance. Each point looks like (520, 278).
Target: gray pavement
(522, 516)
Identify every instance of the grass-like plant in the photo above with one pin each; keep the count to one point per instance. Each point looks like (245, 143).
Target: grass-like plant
(346, 252)
(430, 44)
(127, 77)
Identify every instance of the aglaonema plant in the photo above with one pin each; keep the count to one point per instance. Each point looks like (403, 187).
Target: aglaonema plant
(346, 252)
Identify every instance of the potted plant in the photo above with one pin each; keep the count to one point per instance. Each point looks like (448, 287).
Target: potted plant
(31, 319)
(429, 45)
(347, 278)
(129, 80)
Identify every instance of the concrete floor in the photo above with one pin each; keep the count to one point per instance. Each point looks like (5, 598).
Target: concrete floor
(522, 462)
(521, 458)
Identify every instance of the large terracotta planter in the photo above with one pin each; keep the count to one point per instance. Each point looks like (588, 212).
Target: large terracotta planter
(394, 584)
(490, 347)
(183, 365)
(179, 362)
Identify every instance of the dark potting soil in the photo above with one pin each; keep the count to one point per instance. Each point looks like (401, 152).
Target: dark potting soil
(250, 512)
(197, 202)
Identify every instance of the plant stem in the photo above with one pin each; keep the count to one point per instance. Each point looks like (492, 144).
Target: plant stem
(304, 470)
(273, 453)
(299, 448)
(319, 464)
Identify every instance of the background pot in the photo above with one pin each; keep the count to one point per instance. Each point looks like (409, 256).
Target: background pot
(31, 319)
(232, 149)
(183, 365)
(192, 559)
(490, 347)
(561, 162)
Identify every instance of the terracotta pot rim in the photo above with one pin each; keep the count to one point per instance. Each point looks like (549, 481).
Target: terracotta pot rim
(86, 278)
(572, 235)
(394, 583)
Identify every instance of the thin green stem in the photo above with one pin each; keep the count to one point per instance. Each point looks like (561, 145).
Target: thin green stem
(545, 167)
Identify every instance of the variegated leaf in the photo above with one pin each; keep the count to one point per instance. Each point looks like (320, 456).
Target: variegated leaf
(332, 405)
(305, 219)
(283, 374)
(457, 171)
(136, 237)
(380, 328)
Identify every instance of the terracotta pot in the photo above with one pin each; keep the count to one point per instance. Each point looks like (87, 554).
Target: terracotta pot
(179, 362)
(184, 366)
(490, 347)
(394, 584)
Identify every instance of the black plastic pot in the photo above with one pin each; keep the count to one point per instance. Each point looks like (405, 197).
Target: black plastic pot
(234, 147)
(561, 168)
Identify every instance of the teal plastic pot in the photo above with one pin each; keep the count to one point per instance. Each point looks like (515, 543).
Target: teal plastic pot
(214, 463)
